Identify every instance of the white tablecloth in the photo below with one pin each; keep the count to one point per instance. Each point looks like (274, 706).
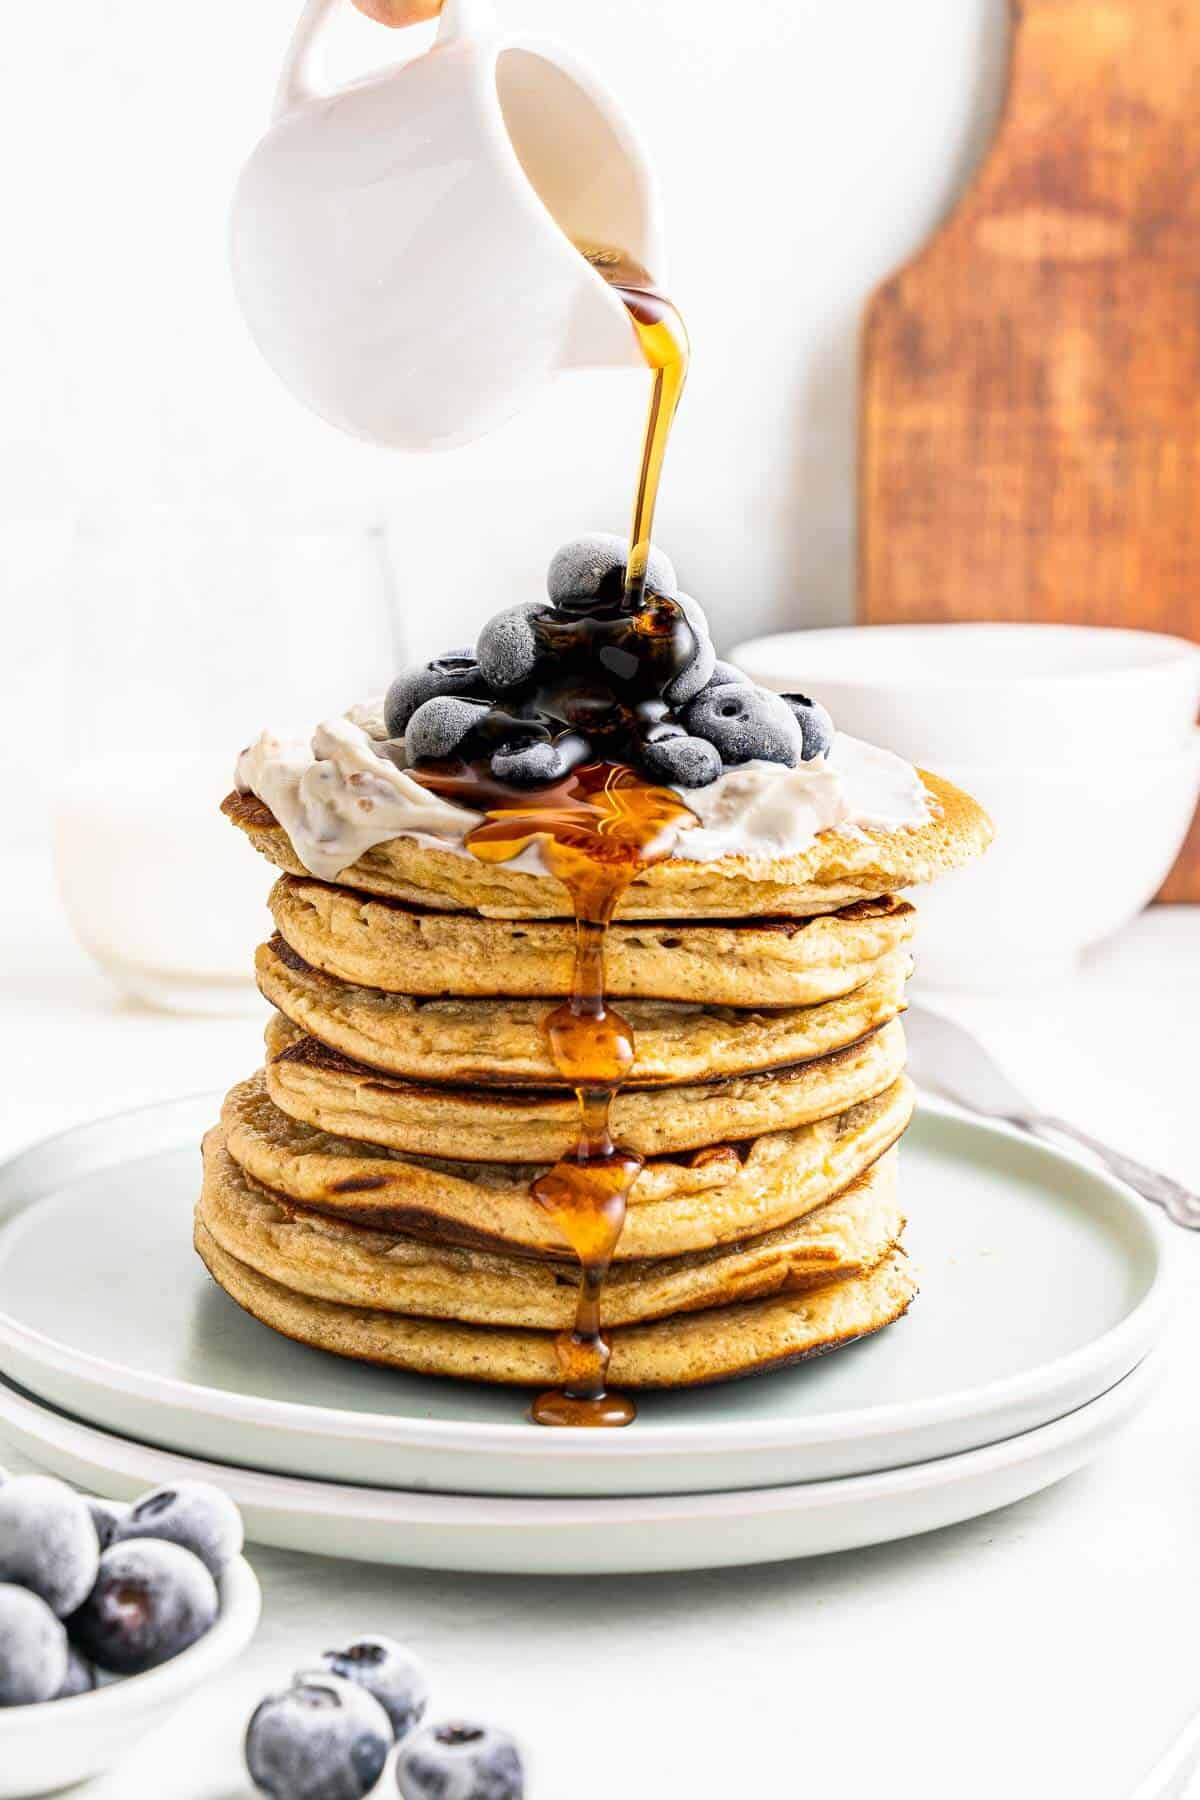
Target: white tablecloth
(1045, 1651)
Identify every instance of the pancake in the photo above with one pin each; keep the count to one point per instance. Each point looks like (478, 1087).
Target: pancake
(328, 1259)
(400, 949)
(503, 1042)
(322, 1087)
(838, 868)
(676, 1205)
(718, 1344)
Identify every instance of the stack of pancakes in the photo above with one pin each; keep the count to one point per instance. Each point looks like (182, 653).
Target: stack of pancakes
(368, 1191)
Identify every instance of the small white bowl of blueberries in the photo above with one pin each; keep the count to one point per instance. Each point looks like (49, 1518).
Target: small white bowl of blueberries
(110, 1615)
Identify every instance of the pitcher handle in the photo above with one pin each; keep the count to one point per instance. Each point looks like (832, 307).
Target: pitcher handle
(299, 78)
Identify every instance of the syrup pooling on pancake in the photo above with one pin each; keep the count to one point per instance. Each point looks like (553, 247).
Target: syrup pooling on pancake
(598, 828)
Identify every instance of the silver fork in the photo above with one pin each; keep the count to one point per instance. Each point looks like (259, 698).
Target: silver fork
(945, 1057)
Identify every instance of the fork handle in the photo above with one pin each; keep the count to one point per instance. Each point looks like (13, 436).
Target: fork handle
(1178, 1202)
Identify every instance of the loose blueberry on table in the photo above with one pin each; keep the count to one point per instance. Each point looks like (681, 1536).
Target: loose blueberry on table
(322, 1738)
(553, 684)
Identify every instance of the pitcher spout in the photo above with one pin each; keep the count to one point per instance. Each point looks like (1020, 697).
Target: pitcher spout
(600, 333)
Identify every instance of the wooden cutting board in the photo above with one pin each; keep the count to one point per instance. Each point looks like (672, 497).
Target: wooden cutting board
(1030, 432)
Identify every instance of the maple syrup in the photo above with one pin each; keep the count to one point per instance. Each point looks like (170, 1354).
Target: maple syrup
(604, 663)
(599, 829)
(664, 344)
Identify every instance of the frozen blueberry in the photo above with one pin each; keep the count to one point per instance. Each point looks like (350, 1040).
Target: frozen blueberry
(455, 672)
(439, 727)
(47, 1540)
(323, 1738)
(699, 670)
(507, 648)
(460, 1761)
(746, 724)
(723, 674)
(581, 568)
(33, 1649)
(687, 762)
(390, 1672)
(532, 765)
(151, 1600)
(107, 1517)
(816, 724)
(192, 1513)
(80, 1677)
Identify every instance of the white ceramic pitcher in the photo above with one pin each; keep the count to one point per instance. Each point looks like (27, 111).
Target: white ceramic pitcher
(402, 246)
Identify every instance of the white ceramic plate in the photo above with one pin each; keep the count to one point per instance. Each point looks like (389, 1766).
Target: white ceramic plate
(45, 1748)
(1042, 1286)
(594, 1537)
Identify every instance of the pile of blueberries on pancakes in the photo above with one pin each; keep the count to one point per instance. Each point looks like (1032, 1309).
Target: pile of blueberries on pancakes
(583, 677)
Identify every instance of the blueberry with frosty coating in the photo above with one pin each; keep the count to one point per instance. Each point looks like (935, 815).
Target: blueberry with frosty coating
(439, 727)
(460, 1761)
(746, 724)
(725, 675)
(538, 764)
(395, 1677)
(47, 1540)
(582, 567)
(686, 762)
(80, 1677)
(150, 1602)
(454, 672)
(508, 649)
(815, 721)
(698, 673)
(193, 1513)
(33, 1648)
(108, 1517)
(323, 1738)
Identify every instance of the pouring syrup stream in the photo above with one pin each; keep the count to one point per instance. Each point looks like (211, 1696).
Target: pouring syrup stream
(598, 830)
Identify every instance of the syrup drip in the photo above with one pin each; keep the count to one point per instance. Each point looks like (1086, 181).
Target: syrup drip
(663, 338)
(599, 829)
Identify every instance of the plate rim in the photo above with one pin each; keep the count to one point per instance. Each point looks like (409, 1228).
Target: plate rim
(425, 1507)
(1140, 1325)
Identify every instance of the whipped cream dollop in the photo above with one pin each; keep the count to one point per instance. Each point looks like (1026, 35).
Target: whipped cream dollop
(340, 795)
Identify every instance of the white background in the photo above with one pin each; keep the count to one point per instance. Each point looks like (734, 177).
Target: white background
(804, 150)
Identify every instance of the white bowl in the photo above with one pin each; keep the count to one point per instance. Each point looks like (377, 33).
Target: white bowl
(1077, 853)
(43, 1748)
(991, 694)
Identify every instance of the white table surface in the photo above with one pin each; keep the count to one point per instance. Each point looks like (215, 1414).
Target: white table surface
(1047, 1650)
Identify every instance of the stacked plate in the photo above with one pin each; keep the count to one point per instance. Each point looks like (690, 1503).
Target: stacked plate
(123, 1365)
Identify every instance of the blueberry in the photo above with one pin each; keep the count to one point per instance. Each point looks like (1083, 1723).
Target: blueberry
(389, 1672)
(439, 726)
(532, 765)
(460, 1762)
(454, 672)
(698, 672)
(108, 1517)
(80, 1677)
(723, 675)
(47, 1540)
(815, 722)
(746, 724)
(507, 648)
(151, 1600)
(687, 762)
(323, 1738)
(581, 568)
(33, 1649)
(194, 1514)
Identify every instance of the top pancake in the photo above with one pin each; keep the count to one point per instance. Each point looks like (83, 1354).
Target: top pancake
(838, 868)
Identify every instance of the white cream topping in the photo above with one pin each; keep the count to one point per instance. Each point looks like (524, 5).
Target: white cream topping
(339, 797)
